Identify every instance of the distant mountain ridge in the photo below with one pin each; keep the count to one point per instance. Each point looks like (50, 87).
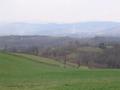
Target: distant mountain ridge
(85, 29)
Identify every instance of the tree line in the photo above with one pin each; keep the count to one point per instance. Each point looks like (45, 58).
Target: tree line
(101, 55)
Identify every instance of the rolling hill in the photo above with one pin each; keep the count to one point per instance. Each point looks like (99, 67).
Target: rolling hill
(26, 72)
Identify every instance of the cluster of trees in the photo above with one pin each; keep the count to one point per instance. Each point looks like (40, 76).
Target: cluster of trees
(110, 57)
(100, 55)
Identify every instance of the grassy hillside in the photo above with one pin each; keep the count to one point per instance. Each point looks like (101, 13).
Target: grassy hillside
(26, 72)
(38, 59)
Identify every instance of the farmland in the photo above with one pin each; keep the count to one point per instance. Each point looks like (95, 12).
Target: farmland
(28, 72)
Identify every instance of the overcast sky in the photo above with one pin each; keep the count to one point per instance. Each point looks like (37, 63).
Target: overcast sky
(59, 11)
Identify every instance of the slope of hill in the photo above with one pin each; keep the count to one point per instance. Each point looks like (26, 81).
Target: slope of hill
(17, 64)
(41, 60)
(20, 73)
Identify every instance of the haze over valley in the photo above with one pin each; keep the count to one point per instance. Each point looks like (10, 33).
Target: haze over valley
(83, 29)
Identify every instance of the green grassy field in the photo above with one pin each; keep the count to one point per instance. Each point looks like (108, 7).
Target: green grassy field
(27, 72)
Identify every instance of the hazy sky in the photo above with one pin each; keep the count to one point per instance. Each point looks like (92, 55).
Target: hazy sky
(60, 11)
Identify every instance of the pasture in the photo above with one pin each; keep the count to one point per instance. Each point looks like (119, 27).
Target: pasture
(28, 72)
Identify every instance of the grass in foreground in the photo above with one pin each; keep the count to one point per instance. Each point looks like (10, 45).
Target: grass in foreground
(21, 73)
